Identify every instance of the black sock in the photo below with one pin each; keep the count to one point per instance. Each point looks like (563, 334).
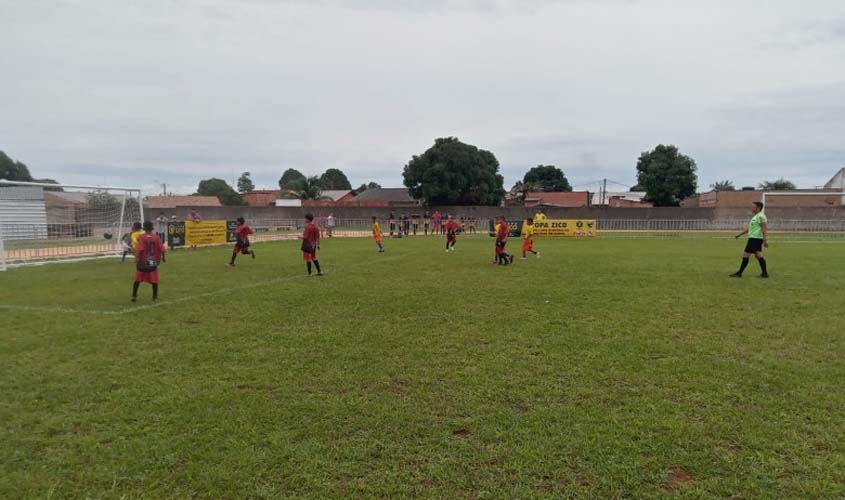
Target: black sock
(743, 265)
(234, 256)
(135, 288)
(317, 265)
(155, 291)
(762, 262)
(308, 265)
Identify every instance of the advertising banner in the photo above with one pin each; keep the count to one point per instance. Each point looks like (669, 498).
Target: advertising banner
(206, 232)
(566, 228)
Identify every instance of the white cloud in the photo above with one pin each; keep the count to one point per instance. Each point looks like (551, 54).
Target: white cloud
(183, 90)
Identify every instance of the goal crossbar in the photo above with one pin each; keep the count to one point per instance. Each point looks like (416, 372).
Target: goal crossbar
(44, 222)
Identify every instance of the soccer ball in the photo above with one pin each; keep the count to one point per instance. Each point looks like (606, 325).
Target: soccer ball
(107, 236)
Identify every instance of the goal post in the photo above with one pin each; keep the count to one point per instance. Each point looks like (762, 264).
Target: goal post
(42, 222)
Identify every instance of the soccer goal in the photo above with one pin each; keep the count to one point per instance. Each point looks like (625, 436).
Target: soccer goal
(42, 223)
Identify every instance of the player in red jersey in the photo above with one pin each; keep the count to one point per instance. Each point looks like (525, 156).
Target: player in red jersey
(501, 240)
(148, 255)
(310, 244)
(451, 228)
(242, 244)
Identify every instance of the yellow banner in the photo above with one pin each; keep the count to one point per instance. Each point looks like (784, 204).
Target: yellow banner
(566, 228)
(206, 232)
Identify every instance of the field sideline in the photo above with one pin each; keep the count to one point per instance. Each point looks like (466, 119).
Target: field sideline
(607, 369)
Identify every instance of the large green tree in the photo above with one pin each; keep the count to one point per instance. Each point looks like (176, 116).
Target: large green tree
(223, 192)
(12, 170)
(245, 184)
(778, 185)
(549, 178)
(289, 178)
(453, 173)
(667, 176)
(334, 178)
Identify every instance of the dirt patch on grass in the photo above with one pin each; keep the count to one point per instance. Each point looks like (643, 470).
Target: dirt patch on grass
(678, 478)
(461, 433)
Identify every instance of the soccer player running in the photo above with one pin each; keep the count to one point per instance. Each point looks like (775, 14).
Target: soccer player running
(310, 244)
(451, 228)
(501, 240)
(148, 255)
(377, 235)
(528, 238)
(242, 241)
(758, 238)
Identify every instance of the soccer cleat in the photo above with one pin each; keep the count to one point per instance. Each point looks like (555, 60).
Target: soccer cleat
(230, 265)
(538, 255)
(252, 252)
(319, 274)
(524, 258)
(510, 259)
(764, 275)
(736, 275)
(134, 299)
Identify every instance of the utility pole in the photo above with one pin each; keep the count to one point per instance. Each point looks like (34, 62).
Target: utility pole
(603, 196)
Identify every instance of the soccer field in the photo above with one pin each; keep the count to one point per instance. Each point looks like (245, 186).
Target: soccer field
(605, 369)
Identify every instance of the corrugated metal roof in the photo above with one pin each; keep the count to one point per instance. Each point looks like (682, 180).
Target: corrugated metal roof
(23, 219)
(21, 193)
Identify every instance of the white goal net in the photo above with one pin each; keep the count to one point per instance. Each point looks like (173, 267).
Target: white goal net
(42, 223)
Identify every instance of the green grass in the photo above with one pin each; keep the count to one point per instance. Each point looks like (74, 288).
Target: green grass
(606, 369)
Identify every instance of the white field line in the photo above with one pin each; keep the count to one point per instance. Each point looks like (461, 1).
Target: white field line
(180, 300)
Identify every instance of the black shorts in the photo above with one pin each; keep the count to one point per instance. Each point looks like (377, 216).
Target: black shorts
(754, 245)
(242, 246)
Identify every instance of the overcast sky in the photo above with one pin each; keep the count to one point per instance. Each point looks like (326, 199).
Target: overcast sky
(124, 93)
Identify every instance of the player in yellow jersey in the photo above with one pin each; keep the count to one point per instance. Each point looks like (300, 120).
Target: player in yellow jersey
(377, 234)
(136, 233)
(528, 238)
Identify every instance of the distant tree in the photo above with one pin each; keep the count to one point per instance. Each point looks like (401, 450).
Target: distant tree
(453, 173)
(12, 170)
(364, 187)
(334, 179)
(637, 188)
(245, 184)
(103, 201)
(723, 186)
(309, 188)
(49, 181)
(290, 177)
(778, 185)
(667, 176)
(223, 192)
(548, 178)
(519, 192)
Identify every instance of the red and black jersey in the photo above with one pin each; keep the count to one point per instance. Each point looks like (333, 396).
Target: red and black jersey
(242, 233)
(451, 228)
(149, 248)
(504, 230)
(311, 235)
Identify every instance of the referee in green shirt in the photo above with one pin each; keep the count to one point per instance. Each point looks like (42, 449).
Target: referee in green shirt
(758, 238)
